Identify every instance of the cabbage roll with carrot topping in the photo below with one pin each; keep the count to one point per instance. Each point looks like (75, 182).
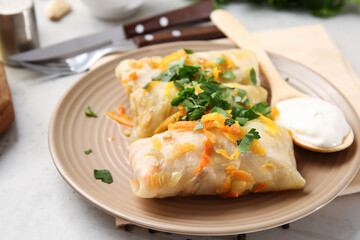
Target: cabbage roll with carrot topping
(188, 160)
(134, 74)
(151, 108)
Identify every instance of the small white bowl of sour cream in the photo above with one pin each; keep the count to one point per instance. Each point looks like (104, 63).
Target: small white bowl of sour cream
(113, 9)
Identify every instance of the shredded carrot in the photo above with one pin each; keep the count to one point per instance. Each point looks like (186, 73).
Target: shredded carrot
(214, 117)
(171, 58)
(120, 118)
(164, 125)
(151, 85)
(256, 148)
(154, 64)
(230, 194)
(223, 153)
(268, 166)
(216, 72)
(150, 173)
(168, 87)
(134, 184)
(205, 159)
(205, 63)
(121, 109)
(261, 187)
(274, 113)
(290, 133)
(182, 110)
(167, 179)
(180, 149)
(184, 125)
(226, 185)
(198, 89)
(239, 174)
(209, 134)
(136, 65)
(153, 181)
(271, 125)
(156, 143)
(228, 62)
(234, 129)
(132, 76)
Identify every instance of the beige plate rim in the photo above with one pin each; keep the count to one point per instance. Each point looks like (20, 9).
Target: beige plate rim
(174, 227)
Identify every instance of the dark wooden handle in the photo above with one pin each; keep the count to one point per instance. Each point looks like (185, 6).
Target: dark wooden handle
(6, 108)
(198, 33)
(194, 13)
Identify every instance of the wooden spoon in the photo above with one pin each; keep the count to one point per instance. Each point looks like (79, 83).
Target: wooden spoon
(280, 90)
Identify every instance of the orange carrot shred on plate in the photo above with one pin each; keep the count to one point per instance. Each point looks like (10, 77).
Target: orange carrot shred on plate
(120, 118)
(205, 159)
(121, 109)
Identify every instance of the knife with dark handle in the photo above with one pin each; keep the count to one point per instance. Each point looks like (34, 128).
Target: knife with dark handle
(193, 13)
(82, 62)
(195, 33)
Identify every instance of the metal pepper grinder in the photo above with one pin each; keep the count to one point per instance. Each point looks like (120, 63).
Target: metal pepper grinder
(18, 30)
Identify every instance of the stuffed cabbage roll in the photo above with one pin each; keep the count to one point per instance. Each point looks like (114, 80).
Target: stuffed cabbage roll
(189, 161)
(134, 74)
(151, 107)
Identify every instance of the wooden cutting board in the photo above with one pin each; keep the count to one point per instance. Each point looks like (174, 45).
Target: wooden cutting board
(7, 114)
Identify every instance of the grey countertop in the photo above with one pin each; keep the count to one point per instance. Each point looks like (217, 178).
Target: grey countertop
(36, 203)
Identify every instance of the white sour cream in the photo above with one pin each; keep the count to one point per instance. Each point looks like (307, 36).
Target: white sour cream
(313, 121)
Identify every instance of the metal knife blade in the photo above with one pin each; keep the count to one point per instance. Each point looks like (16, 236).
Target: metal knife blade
(193, 13)
(71, 47)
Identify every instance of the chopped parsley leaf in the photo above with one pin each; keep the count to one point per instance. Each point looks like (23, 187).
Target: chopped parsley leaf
(146, 86)
(245, 142)
(263, 108)
(220, 60)
(189, 51)
(229, 122)
(219, 110)
(253, 76)
(242, 120)
(198, 126)
(87, 152)
(212, 98)
(250, 114)
(90, 113)
(228, 75)
(104, 175)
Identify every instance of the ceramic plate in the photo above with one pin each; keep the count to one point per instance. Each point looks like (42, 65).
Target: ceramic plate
(71, 133)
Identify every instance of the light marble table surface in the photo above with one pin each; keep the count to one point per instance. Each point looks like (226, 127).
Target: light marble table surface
(36, 203)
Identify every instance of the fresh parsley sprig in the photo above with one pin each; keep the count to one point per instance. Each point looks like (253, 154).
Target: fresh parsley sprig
(213, 97)
(104, 175)
(245, 142)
